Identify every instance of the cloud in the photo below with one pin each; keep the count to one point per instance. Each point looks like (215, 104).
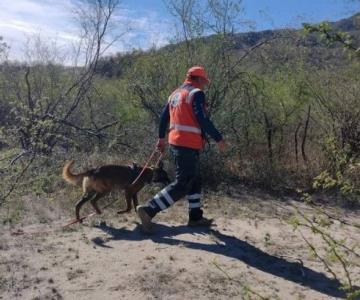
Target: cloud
(22, 18)
(53, 19)
(144, 31)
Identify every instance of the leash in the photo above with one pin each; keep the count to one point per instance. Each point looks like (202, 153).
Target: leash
(147, 163)
(145, 166)
(21, 232)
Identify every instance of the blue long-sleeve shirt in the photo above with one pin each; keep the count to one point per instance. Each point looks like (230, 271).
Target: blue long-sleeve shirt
(207, 127)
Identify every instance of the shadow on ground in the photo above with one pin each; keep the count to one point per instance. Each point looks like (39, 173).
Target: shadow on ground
(231, 247)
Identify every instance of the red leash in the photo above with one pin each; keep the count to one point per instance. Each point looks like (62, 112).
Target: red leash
(147, 163)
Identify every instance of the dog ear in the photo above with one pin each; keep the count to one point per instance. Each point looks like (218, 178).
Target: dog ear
(134, 165)
(160, 165)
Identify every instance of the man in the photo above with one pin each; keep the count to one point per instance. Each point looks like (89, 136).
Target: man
(189, 122)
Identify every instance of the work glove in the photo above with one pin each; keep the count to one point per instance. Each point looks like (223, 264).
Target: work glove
(221, 145)
(161, 145)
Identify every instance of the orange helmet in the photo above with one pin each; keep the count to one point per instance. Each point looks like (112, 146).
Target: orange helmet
(198, 72)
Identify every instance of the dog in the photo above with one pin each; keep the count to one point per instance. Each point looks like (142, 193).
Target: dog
(98, 182)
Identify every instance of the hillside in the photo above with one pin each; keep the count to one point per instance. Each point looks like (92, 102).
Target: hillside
(316, 52)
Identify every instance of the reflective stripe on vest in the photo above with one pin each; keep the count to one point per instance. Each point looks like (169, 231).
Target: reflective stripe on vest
(191, 94)
(185, 128)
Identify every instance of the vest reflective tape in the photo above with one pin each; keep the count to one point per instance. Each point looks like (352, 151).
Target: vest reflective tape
(185, 128)
(192, 92)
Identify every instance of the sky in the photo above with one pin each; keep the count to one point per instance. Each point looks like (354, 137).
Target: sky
(149, 21)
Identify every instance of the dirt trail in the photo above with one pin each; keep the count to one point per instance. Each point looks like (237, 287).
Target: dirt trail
(252, 253)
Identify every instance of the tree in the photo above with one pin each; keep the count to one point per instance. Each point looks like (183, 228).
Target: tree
(3, 49)
(45, 96)
(331, 35)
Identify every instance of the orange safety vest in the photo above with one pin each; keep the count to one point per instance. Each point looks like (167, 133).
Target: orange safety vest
(184, 129)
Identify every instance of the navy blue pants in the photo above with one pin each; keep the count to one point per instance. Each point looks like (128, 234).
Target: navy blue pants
(187, 184)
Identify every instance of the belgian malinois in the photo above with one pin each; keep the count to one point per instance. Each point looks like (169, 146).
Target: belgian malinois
(98, 182)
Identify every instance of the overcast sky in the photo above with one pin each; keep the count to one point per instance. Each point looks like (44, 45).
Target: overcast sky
(150, 21)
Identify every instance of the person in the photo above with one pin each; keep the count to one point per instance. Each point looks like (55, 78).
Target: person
(185, 113)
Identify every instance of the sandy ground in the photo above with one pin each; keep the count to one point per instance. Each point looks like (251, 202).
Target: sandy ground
(251, 253)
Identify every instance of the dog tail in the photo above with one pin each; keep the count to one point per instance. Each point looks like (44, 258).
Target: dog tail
(74, 179)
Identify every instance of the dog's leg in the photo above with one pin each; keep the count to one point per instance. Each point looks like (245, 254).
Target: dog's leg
(135, 201)
(128, 196)
(86, 197)
(94, 200)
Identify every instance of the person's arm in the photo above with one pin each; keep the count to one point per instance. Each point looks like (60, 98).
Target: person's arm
(164, 121)
(204, 121)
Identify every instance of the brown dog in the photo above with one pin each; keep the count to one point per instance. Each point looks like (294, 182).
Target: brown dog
(98, 182)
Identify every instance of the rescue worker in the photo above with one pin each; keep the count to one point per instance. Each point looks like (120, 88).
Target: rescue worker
(189, 122)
